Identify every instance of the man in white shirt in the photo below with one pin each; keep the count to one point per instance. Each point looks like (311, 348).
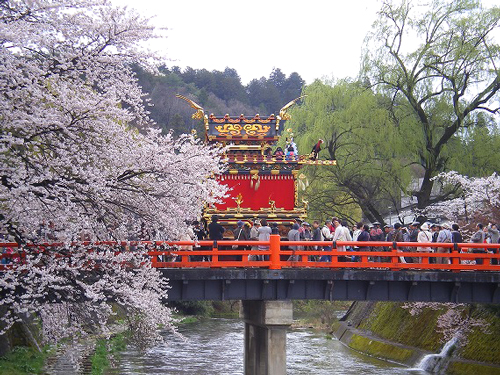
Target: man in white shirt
(341, 234)
(327, 235)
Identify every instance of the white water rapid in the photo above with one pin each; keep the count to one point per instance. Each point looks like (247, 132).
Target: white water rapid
(433, 363)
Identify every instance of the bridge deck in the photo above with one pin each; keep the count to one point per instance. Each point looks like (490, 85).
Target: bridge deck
(344, 284)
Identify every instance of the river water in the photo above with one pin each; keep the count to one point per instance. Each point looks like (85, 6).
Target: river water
(215, 346)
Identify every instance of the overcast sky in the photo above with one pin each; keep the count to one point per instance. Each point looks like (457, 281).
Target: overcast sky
(313, 38)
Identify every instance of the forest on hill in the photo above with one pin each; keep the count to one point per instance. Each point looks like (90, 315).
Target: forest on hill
(218, 92)
(394, 131)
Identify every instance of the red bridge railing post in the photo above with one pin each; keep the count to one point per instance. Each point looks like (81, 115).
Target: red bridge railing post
(274, 246)
(455, 260)
(215, 256)
(395, 257)
(154, 259)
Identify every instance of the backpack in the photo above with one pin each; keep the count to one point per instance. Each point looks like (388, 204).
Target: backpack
(448, 238)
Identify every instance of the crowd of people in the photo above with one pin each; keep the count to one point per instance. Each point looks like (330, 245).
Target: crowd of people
(337, 230)
(290, 152)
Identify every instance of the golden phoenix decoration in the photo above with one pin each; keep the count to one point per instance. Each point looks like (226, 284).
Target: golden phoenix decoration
(249, 129)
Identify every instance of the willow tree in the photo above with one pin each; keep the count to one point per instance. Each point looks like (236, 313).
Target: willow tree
(359, 133)
(440, 64)
(474, 148)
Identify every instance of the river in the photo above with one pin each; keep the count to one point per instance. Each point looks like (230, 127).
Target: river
(215, 346)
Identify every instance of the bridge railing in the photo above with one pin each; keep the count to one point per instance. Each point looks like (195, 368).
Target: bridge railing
(309, 254)
(277, 254)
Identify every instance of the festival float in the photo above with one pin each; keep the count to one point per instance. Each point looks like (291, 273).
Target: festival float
(263, 183)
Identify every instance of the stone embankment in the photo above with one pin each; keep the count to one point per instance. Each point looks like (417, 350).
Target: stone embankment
(370, 344)
(73, 358)
(387, 331)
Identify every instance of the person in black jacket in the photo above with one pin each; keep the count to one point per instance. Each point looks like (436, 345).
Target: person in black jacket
(200, 234)
(456, 236)
(199, 231)
(274, 228)
(215, 230)
(364, 235)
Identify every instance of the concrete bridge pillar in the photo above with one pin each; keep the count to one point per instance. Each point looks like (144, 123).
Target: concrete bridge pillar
(266, 323)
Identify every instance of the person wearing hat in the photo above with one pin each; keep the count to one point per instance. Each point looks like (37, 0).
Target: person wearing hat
(413, 237)
(444, 236)
(254, 236)
(376, 234)
(479, 237)
(414, 231)
(299, 223)
(389, 234)
(305, 234)
(424, 235)
(239, 235)
(399, 237)
(434, 229)
(493, 237)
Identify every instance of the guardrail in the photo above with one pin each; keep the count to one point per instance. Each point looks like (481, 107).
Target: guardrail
(309, 254)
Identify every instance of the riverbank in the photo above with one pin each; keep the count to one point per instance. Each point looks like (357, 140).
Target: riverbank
(92, 354)
(24, 360)
(387, 331)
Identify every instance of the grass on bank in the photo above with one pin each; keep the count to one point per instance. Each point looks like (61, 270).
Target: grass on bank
(461, 368)
(391, 322)
(481, 346)
(23, 360)
(380, 349)
(107, 351)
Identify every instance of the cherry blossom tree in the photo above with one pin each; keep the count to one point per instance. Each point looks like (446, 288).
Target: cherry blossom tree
(80, 159)
(475, 197)
(455, 321)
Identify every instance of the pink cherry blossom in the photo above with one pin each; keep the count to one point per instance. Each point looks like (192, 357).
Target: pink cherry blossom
(474, 197)
(80, 159)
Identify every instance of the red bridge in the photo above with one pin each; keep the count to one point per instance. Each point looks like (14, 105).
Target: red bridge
(215, 271)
